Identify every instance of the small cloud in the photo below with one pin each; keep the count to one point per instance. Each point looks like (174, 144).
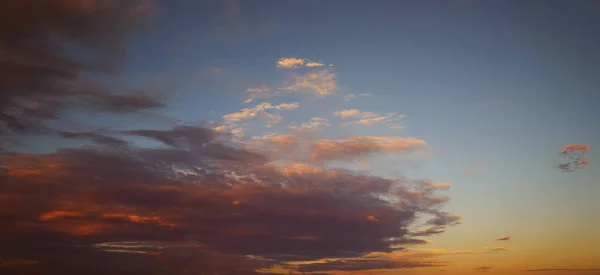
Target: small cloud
(367, 118)
(350, 97)
(349, 113)
(248, 113)
(294, 62)
(314, 64)
(498, 249)
(257, 92)
(483, 268)
(574, 156)
(290, 62)
(311, 126)
(503, 238)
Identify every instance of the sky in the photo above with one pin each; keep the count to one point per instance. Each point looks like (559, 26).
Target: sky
(290, 137)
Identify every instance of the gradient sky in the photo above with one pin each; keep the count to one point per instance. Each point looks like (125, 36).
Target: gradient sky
(495, 89)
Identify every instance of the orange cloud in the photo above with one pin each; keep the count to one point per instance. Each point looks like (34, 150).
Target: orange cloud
(290, 62)
(294, 62)
(347, 113)
(350, 148)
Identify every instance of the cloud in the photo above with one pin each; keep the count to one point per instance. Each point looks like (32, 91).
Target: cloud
(498, 249)
(314, 64)
(39, 79)
(351, 96)
(574, 156)
(98, 138)
(311, 126)
(562, 269)
(101, 209)
(503, 238)
(257, 92)
(294, 62)
(248, 113)
(319, 83)
(359, 146)
(430, 231)
(367, 118)
(349, 113)
(483, 268)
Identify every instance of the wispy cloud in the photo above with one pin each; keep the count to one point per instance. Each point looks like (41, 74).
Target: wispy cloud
(257, 92)
(248, 113)
(348, 113)
(367, 118)
(354, 147)
(351, 96)
(314, 124)
(319, 83)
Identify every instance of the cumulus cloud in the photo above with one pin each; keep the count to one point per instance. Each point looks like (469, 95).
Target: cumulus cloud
(248, 113)
(319, 83)
(294, 62)
(503, 238)
(574, 157)
(201, 202)
(40, 78)
(311, 126)
(359, 146)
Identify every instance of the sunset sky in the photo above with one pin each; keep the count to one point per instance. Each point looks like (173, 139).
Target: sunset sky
(289, 137)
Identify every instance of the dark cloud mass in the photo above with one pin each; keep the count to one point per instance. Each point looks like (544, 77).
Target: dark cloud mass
(200, 204)
(203, 192)
(47, 48)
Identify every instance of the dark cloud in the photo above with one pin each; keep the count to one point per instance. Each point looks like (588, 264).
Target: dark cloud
(98, 138)
(46, 48)
(363, 264)
(202, 199)
(503, 238)
(430, 231)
